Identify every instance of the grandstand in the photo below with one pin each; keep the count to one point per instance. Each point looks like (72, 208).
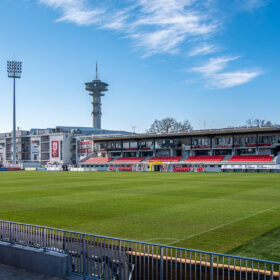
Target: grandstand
(220, 150)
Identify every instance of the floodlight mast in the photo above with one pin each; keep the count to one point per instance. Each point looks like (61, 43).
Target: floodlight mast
(14, 71)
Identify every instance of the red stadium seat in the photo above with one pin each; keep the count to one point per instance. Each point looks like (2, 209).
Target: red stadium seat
(98, 160)
(204, 159)
(251, 158)
(125, 168)
(183, 169)
(129, 159)
(165, 159)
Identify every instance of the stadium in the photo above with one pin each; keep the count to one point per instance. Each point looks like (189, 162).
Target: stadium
(180, 197)
(164, 165)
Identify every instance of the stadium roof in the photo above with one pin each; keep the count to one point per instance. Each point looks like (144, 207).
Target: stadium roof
(206, 132)
(91, 130)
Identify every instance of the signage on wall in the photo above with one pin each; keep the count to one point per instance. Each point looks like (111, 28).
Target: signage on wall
(55, 149)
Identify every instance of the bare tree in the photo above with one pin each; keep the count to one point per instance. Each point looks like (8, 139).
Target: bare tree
(186, 126)
(258, 123)
(168, 125)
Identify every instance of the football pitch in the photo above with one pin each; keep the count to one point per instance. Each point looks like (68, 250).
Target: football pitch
(235, 213)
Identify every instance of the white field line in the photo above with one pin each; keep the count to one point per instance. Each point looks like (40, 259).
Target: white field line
(160, 238)
(223, 225)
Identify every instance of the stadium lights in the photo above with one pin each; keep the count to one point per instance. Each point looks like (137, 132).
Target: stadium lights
(14, 69)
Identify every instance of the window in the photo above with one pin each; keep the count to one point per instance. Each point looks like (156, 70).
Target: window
(133, 145)
(251, 140)
(223, 141)
(201, 142)
(202, 153)
(266, 139)
(246, 151)
(126, 145)
(103, 146)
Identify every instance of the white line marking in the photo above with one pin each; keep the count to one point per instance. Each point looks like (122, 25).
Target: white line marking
(162, 238)
(226, 224)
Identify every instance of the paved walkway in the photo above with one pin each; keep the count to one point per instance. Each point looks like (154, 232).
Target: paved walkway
(14, 273)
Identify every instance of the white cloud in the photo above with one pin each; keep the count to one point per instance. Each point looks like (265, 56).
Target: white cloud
(231, 79)
(253, 4)
(162, 26)
(156, 26)
(75, 11)
(214, 65)
(203, 49)
(213, 72)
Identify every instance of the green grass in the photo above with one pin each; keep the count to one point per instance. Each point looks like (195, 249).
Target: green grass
(267, 246)
(221, 212)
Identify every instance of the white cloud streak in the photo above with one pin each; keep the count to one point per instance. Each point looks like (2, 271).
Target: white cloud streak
(156, 26)
(231, 79)
(251, 5)
(75, 11)
(203, 50)
(213, 72)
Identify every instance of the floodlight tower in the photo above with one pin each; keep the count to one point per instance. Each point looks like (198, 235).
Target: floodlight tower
(14, 71)
(96, 89)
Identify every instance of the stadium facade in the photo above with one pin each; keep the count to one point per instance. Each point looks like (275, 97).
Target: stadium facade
(228, 149)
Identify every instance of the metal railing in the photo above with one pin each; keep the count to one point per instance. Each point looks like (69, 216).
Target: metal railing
(99, 257)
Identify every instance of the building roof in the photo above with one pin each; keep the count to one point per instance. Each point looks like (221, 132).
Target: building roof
(194, 133)
(91, 130)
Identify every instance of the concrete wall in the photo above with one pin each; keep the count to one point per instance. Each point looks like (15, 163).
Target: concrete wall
(35, 260)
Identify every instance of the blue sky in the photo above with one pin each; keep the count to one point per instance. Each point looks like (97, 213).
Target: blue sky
(213, 62)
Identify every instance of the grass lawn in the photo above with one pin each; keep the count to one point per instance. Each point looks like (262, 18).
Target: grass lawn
(221, 212)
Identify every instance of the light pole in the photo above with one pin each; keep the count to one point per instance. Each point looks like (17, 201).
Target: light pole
(14, 71)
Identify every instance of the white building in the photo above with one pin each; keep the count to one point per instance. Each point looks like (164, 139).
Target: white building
(58, 146)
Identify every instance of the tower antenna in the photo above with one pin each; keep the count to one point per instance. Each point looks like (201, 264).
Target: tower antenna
(96, 71)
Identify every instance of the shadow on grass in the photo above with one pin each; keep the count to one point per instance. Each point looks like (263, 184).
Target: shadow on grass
(265, 246)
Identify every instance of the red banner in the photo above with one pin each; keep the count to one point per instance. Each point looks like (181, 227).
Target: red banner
(85, 143)
(82, 151)
(55, 149)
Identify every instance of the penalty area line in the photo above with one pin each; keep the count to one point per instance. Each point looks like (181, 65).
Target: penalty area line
(223, 225)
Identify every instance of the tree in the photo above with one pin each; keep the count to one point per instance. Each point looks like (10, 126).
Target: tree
(258, 123)
(169, 125)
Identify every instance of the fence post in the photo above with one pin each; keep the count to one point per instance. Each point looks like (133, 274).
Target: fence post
(84, 257)
(45, 239)
(211, 266)
(11, 233)
(271, 272)
(161, 263)
(64, 242)
(120, 263)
